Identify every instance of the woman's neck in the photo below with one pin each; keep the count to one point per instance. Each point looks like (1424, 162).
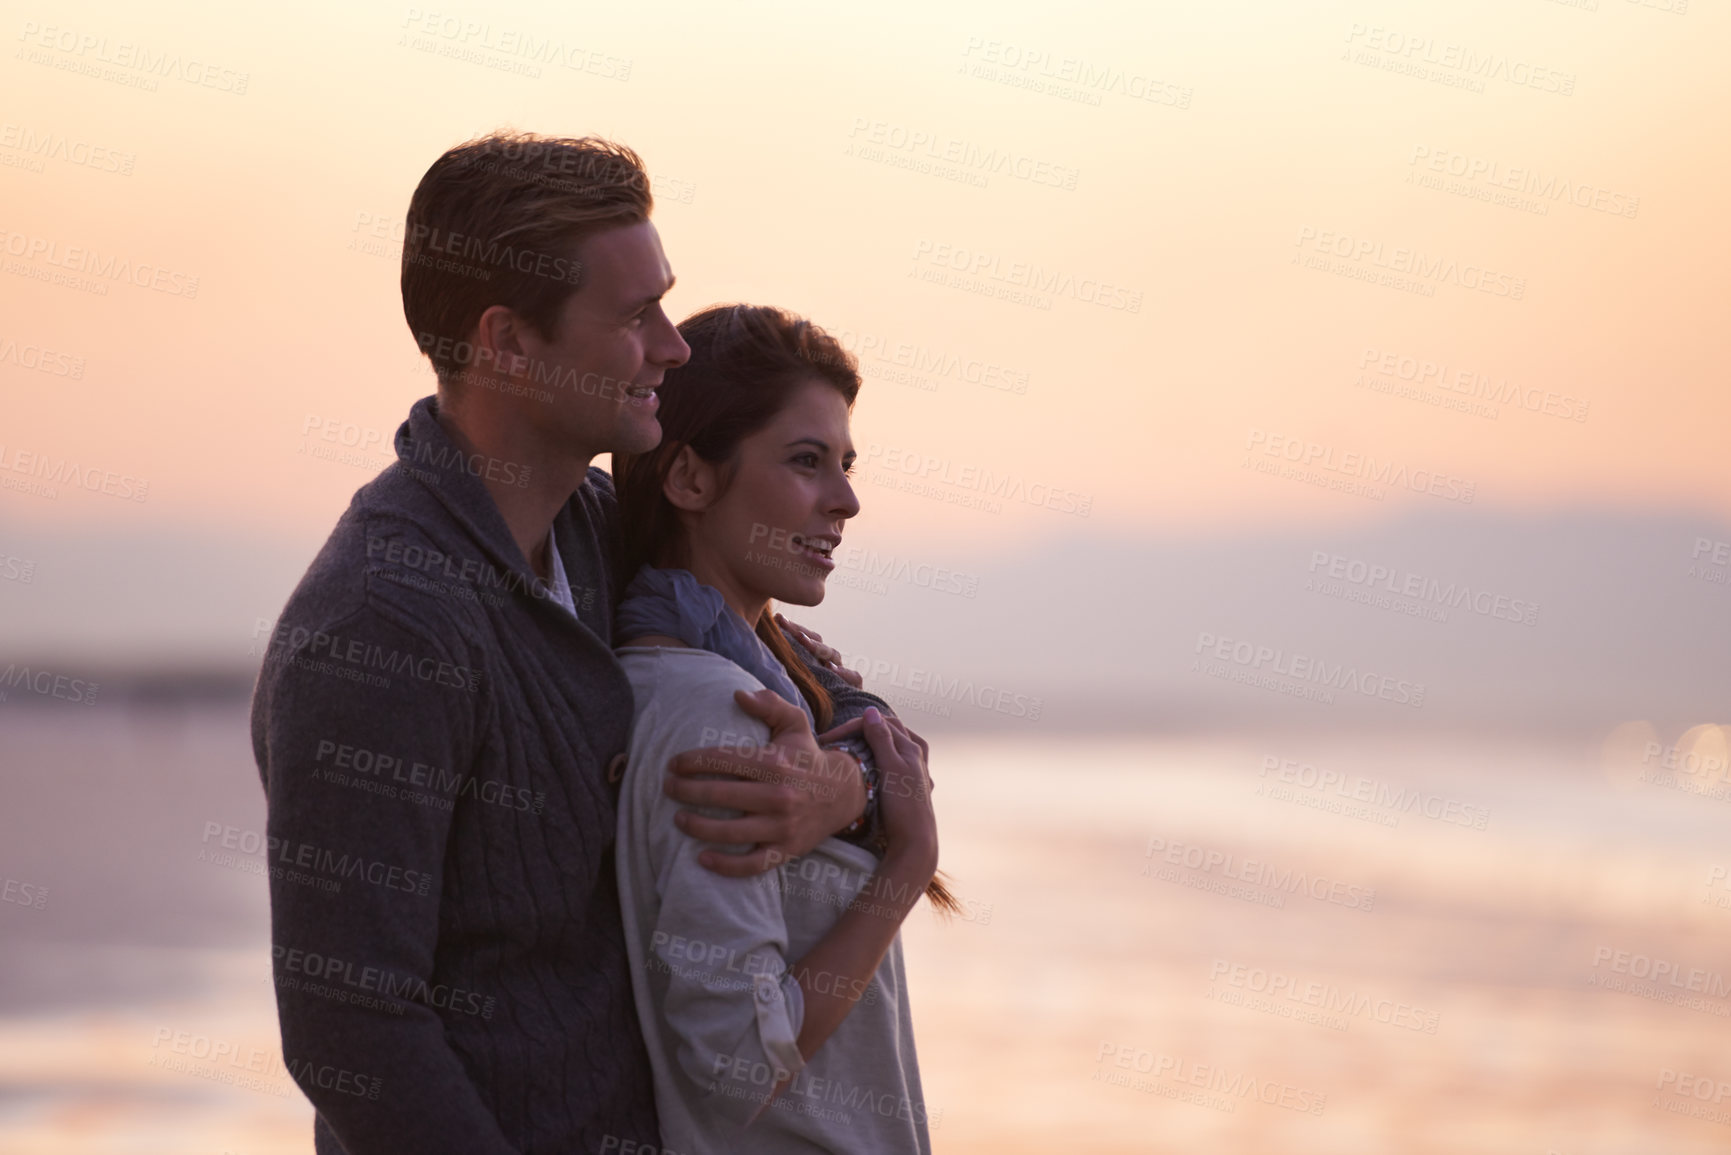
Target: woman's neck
(750, 607)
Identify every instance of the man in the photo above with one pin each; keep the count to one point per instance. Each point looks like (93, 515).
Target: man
(439, 718)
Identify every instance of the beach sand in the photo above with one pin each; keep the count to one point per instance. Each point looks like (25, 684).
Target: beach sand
(1169, 946)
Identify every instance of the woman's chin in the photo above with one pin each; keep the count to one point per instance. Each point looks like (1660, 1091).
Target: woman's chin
(807, 592)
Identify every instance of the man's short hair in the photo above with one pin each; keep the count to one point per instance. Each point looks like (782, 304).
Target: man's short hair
(497, 221)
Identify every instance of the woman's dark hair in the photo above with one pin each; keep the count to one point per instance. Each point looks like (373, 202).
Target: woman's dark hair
(747, 362)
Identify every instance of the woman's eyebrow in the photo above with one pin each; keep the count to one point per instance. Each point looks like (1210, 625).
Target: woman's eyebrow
(821, 444)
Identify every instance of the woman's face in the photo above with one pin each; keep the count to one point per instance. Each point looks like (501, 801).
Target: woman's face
(773, 531)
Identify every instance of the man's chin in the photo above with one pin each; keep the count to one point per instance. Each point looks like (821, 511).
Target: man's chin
(637, 435)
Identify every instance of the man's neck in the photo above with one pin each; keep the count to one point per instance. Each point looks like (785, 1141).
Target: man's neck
(500, 451)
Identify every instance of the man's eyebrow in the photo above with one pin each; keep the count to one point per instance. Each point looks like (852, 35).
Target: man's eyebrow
(650, 300)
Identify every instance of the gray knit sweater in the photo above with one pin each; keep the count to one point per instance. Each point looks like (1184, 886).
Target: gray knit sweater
(434, 733)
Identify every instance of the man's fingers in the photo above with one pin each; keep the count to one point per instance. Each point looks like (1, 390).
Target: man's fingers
(798, 629)
(772, 797)
(775, 711)
(746, 865)
(714, 760)
(748, 831)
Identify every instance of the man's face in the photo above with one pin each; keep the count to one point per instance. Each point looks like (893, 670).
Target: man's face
(611, 344)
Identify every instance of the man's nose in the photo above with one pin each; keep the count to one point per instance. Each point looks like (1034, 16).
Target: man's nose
(670, 351)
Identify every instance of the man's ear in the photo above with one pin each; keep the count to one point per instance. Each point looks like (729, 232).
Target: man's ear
(692, 483)
(499, 338)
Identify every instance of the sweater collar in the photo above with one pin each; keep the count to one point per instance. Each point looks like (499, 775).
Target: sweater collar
(426, 453)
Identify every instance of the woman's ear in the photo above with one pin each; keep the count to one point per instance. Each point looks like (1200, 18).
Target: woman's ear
(692, 483)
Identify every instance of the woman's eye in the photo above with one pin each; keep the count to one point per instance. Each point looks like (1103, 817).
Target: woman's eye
(809, 460)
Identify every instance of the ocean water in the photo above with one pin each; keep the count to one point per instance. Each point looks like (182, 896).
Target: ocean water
(1337, 943)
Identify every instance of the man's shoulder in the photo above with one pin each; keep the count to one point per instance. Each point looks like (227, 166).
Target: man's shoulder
(385, 560)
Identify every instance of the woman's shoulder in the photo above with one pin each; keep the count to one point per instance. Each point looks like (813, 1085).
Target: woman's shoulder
(681, 688)
(669, 669)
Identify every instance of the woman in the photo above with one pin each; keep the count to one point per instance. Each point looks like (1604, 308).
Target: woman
(774, 1007)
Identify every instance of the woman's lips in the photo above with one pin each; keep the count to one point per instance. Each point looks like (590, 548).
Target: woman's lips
(818, 554)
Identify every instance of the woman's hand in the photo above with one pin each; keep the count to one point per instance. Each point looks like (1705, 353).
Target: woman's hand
(905, 794)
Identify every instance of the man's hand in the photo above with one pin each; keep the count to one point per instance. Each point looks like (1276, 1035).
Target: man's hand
(828, 656)
(793, 794)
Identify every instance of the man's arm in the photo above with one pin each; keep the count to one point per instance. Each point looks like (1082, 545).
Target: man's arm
(357, 878)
